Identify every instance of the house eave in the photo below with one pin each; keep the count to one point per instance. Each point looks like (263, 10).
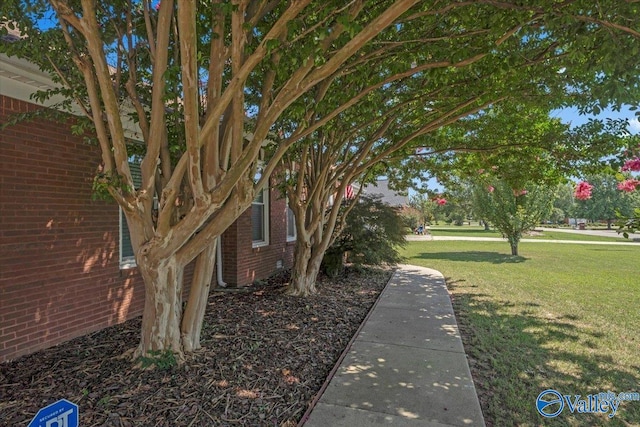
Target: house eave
(20, 78)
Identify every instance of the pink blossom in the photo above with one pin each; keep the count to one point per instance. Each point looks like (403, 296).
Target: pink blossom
(491, 188)
(583, 191)
(480, 171)
(632, 165)
(519, 192)
(628, 185)
(441, 201)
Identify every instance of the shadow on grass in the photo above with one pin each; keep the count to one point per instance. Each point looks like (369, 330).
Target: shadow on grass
(517, 350)
(473, 256)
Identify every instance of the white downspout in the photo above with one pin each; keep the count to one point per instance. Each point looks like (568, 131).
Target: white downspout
(221, 282)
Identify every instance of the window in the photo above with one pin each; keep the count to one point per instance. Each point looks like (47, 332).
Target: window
(127, 257)
(260, 219)
(291, 224)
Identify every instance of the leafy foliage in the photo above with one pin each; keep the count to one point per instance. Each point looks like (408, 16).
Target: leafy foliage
(631, 224)
(512, 211)
(204, 84)
(606, 201)
(104, 182)
(373, 234)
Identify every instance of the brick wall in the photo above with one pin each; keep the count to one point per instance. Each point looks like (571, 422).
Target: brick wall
(242, 264)
(59, 250)
(59, 261)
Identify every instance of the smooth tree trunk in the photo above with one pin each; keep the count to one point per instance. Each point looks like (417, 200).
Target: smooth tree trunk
(193, 318)
(165, 326)
(163, 306)
(513, 243)
(305, 271)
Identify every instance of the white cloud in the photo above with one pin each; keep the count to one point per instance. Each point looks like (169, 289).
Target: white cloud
(634, 125)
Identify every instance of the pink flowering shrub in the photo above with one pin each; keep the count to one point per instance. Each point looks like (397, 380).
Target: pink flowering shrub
(629, 185)
(583, 190)
(632, 165)
(491, 189)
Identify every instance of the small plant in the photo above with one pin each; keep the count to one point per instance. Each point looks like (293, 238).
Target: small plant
(103, 181)
(161, 359)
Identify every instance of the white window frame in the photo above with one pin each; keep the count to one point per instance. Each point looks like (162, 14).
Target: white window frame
(265, 220)
(126, 262)
(291, 237)
(129, 261)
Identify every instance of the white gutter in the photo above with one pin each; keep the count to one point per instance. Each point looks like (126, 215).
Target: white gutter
(221, 282)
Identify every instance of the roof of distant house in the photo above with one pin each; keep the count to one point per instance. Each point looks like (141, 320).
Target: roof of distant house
(388, 196)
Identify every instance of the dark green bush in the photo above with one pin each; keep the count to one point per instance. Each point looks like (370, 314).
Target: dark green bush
(372, 235)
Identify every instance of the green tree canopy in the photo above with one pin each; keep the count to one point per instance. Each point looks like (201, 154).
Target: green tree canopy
(203, 85)
(512, 211)
(607, 202)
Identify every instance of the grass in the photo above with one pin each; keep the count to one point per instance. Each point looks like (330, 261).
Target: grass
(564, 317)
(473, 231)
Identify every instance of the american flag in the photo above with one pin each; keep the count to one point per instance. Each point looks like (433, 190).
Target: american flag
(348, 192)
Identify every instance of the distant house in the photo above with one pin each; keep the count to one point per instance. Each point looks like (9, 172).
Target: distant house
(66, 265)
(388, 196)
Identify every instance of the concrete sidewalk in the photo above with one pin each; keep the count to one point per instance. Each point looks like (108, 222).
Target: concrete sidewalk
(413, 238)
(406, 366)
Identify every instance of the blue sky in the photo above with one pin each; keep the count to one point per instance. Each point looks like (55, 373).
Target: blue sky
(571, 115)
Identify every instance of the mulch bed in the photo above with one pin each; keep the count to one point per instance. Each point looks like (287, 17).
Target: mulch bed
(265, 356)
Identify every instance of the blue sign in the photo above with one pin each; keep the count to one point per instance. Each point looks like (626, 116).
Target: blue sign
(60, 414)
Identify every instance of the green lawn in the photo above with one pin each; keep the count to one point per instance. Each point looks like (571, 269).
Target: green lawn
(561, 316)
(474, 231)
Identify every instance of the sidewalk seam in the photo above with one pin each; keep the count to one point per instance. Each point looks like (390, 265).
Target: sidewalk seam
(417, 348)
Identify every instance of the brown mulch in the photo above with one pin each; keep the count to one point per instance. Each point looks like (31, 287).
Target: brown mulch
(265, 356)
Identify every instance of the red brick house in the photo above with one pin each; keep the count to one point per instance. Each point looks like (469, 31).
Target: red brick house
(65, 265)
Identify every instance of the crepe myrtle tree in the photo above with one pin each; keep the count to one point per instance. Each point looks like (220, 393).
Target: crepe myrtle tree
(351, 148)
(630, 183)
(513, 211)
(384, 109)
(204, 82)
(380, 107)
(603, 200)
(499, 204)
(596, 193)
(513, 156)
